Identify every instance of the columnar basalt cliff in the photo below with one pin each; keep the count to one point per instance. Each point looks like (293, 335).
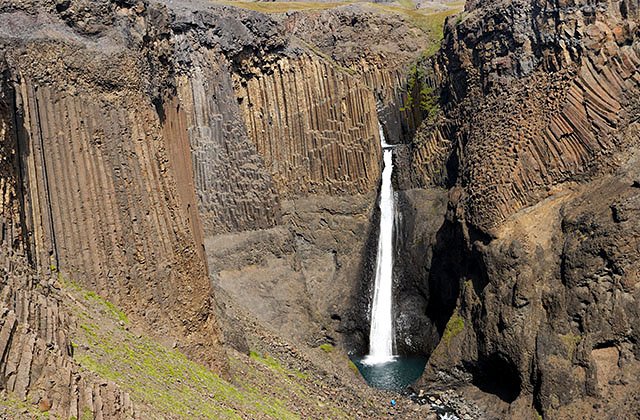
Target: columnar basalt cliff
(539, 130)
(159, 152)
(315, 126)
(133, 134)
(376, 47)
(93, 177)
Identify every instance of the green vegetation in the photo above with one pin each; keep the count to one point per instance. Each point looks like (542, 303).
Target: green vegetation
(275, 365)
(461, 17)
(283, 6)
(353, 367)
(13, 407)
(570, 342)
(86, 414)
(108, 306)
(162, 378)
(93, 298)
(453, 328)
(430, 21)
(166, 380)
(326, 347)
(418, 90)
(407, 4)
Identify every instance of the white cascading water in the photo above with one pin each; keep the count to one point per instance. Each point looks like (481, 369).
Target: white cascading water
(381, 338)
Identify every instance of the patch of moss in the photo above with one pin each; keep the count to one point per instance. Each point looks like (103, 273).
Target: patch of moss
(430, 21)
(13, 407)
(68, 283)
(86, 414)
(273, 364)
(93, 297)
(108, 306)
(453, 328)
(461, 17)
(326, 347)
(163, 379)
(570, 342)
(407, 4)
(158, 377)
(353, 367)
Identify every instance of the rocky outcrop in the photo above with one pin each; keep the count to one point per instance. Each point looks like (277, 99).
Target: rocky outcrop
(539, 127)
(379, 48)
(566, 77)
(36, 352)
(91, 158)
(315, 126)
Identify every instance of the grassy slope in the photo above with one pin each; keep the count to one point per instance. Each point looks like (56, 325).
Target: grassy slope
(429, 20)
(282, 7)
(165, 384)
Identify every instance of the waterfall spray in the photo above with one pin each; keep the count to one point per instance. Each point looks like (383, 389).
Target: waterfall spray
(381, 336)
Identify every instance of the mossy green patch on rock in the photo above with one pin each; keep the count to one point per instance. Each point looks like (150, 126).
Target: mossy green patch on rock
(353, 367)
(275, 365)
(326, 347)
(108, 306)
(570, 341)
(453, 328)
(12, 407)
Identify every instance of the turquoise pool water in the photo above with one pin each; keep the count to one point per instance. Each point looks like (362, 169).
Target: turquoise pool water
(394, 375)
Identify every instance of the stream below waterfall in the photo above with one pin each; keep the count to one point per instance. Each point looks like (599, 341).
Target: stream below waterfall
(393, 375)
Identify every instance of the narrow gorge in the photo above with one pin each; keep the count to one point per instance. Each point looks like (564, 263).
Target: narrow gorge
(267, 210)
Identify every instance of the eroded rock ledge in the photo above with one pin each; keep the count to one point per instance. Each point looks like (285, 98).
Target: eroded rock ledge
(533, 284)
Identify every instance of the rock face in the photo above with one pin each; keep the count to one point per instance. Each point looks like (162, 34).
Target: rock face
(534, 281)
(96, 172)
(315, 126)
(135, 133)
(288, 184)
(36, 351)
(377, 48)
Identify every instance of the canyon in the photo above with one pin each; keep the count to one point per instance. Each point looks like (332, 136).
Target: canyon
(190, 218)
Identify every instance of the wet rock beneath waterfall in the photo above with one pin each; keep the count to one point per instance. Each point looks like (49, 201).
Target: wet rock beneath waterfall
(447, 404)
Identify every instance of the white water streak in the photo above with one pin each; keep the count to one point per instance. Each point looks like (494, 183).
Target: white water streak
(381, 337)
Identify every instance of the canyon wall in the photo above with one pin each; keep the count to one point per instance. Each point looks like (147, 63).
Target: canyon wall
(378, 47)
(537, 140)
(315, 126)
(136, 133)
(93, 177)
(291, 243)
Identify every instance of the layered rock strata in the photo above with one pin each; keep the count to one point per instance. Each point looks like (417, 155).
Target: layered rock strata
(537, 142)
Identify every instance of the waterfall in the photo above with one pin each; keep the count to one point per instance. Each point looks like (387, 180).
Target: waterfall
(381, 337)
